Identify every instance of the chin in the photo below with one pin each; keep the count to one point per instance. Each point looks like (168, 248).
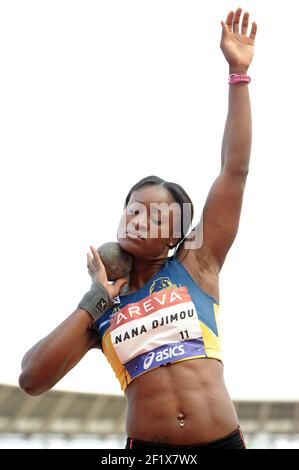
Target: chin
(130, 246)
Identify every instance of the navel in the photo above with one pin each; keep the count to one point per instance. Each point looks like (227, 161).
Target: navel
(181, 419)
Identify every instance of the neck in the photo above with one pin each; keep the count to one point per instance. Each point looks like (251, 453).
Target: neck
(143, 270)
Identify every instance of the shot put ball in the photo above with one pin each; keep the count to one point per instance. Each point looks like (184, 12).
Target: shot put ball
(118, 262)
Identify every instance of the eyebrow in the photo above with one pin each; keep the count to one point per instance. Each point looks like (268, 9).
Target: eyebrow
(137, 200)
(152, 208)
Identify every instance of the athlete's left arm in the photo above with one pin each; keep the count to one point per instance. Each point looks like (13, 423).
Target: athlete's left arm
(222, 209)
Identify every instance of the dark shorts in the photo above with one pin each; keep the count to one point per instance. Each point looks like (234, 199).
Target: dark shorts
(233, 440)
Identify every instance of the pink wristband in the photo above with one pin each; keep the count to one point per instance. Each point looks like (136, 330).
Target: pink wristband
(235, 78)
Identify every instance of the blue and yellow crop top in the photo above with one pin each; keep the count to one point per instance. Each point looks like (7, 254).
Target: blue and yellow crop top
(169, 319)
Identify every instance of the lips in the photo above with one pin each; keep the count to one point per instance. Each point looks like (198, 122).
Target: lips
(134, 236)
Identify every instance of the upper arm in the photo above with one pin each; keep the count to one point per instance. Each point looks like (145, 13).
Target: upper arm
(220, 217)
(88, 341)
(38, 379)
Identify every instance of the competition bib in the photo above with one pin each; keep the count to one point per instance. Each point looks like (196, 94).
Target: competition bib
(157, 330)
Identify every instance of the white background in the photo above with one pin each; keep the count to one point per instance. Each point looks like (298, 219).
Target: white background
(96, 95)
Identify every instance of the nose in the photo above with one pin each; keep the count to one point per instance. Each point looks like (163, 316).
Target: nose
(140, 225)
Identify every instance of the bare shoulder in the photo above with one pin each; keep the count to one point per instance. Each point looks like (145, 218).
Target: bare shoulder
(200, 269)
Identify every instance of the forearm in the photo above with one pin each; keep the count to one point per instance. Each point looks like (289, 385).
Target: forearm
(236, 143)
(52, 357)
(46, 359)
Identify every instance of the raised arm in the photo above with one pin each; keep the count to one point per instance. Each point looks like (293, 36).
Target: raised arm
(222, 209)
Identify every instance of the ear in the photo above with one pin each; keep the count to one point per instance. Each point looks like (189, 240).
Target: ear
(173, 243)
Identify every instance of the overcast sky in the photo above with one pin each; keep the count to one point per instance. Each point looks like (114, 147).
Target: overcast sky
(96, 95)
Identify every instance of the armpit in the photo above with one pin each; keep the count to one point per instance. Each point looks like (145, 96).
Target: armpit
(95, 333)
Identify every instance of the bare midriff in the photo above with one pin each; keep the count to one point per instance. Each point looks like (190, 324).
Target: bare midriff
(179, 404)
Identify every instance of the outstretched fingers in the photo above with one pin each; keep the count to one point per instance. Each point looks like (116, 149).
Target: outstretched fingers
(245, 23)
(232, 23)
(236, 20)
(253, 31)
(229, 20)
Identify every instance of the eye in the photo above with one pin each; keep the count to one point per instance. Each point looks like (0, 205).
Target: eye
(130, 210)
(157, 222)
(156, 218)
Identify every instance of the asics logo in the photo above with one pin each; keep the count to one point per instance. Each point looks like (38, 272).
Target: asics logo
(166, 353)
(148, 360)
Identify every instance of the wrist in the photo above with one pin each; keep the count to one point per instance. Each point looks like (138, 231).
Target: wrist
(238, 69)
(96, 301)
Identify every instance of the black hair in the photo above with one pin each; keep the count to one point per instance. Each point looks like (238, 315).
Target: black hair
(179, 195)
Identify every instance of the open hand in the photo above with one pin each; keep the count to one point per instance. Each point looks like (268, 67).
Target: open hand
(238, 47)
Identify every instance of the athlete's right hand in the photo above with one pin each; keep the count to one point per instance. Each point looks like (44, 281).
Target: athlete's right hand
(98, 273)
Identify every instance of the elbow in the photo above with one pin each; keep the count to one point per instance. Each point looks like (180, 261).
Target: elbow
(30, 385)
(27, 384)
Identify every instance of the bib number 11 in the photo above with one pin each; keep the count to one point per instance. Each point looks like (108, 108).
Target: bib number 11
(184, 334)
